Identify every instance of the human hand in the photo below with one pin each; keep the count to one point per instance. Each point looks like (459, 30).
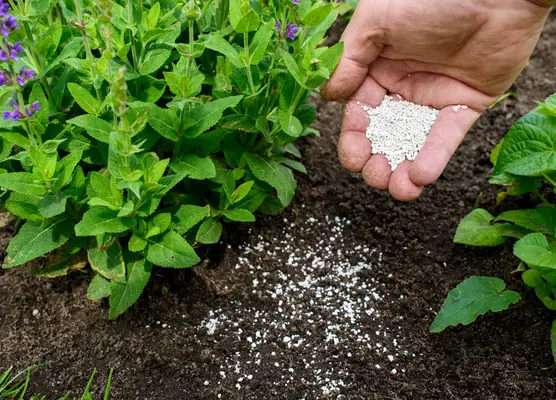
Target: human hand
(438, 53)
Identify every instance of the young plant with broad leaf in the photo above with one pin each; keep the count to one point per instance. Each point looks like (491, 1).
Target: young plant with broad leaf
(133, 130)
(524, 162)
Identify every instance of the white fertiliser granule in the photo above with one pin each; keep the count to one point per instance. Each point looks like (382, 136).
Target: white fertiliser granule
(398, 129)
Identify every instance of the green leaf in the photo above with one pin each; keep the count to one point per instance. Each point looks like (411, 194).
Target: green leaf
(290, 124)
(242, 16)
(103, 188)
(222, 46)
(293, 68)
(109, 262)
(22, 182)
(70, 50)
(209, 232)
(477, 229)
(38, 7)
(154, 60)
(205, 116)
(95, 127)
(188, 216)
(240, 215)
(532, 278)
(153, 16)
(171, 251)
(295, 165)
(24, 206)
(164, 121)
(136, 243)
(97, 221)
(124, 295)
(315, 34)
(52, 205)
(16, 138)
(194, 167)
(261, 40)
(162, 221)
(539, 220)
(99, 288)
(33, 240)
(534, 250)
(276, 175)
(85, 99)
(473, 297)
(529, 147)
(242, 191)
(331, 57)
(317, 15)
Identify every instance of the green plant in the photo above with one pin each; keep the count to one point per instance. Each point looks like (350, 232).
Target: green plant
(523, 162)
(133, 130)
(346, 8)
(14, 386)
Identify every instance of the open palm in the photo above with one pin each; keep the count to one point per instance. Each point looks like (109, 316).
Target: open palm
(438, 53)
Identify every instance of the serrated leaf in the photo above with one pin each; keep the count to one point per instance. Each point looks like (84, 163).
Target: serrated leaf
(473, 297)
(38, 7)
(205, 116)
(261, 40)
(295, 165)
(22, 182)
(33, 240)
(154, 60)
(539, 220)
(52, 205)
(164, 121)
(109, 262)
(124, 295)
(171, 251)
(534, 250)
(98, 221)
(293, 68)
(60, 262)
(317, 14)
(99, 288)
(37, 94)
(16, 138)
(153, 15)
(188, 216)
(276, 175)
(315, 34)
(136, 243)
(194, 167)
(94, 126)
(24, 206)
(103, 188)
(290, 124)
(84, 98)
(477, 229)
(70, 50)
(239, 215)
(209, 232)
(242, 191)
(331, 56)
(222, 46)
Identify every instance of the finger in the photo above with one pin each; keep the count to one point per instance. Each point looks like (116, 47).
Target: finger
(377, 172)
(401, 185)
(354, 149)
(446, 135)
(363, 42)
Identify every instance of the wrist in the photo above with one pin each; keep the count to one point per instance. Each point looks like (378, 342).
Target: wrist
(544, 3)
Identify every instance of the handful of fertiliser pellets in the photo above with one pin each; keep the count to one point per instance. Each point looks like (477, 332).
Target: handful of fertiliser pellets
(398, 128)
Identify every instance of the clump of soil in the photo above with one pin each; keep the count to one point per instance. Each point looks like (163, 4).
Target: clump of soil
(163, 348)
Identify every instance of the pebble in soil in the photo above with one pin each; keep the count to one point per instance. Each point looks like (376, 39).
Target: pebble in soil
(312, 326)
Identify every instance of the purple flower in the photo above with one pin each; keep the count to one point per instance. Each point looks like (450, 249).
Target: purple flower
(9, 25)
(278, 27)
(24, 76)
(295, 1)
(14, 115)
(4, 78)
(291, 30)
(32, 108)
(4, 8)
(15, 50)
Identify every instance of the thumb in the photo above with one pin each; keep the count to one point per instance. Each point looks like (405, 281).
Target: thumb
(363, 41)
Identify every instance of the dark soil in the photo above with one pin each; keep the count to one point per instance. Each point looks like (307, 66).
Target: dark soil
(501, 356)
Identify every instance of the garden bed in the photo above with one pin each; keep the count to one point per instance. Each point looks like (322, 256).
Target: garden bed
(301, 332)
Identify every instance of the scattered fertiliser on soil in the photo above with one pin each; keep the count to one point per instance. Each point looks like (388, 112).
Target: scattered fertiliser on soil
(398, 129)
(312, 327)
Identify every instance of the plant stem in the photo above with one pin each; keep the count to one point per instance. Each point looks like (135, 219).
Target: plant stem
(248, 62)
(298, 98)
(191, 40)
(87, 45)
(542, 199)
(549, 179)
(132, 39)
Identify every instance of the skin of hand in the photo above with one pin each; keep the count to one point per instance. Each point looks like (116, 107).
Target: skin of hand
(438, 53)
